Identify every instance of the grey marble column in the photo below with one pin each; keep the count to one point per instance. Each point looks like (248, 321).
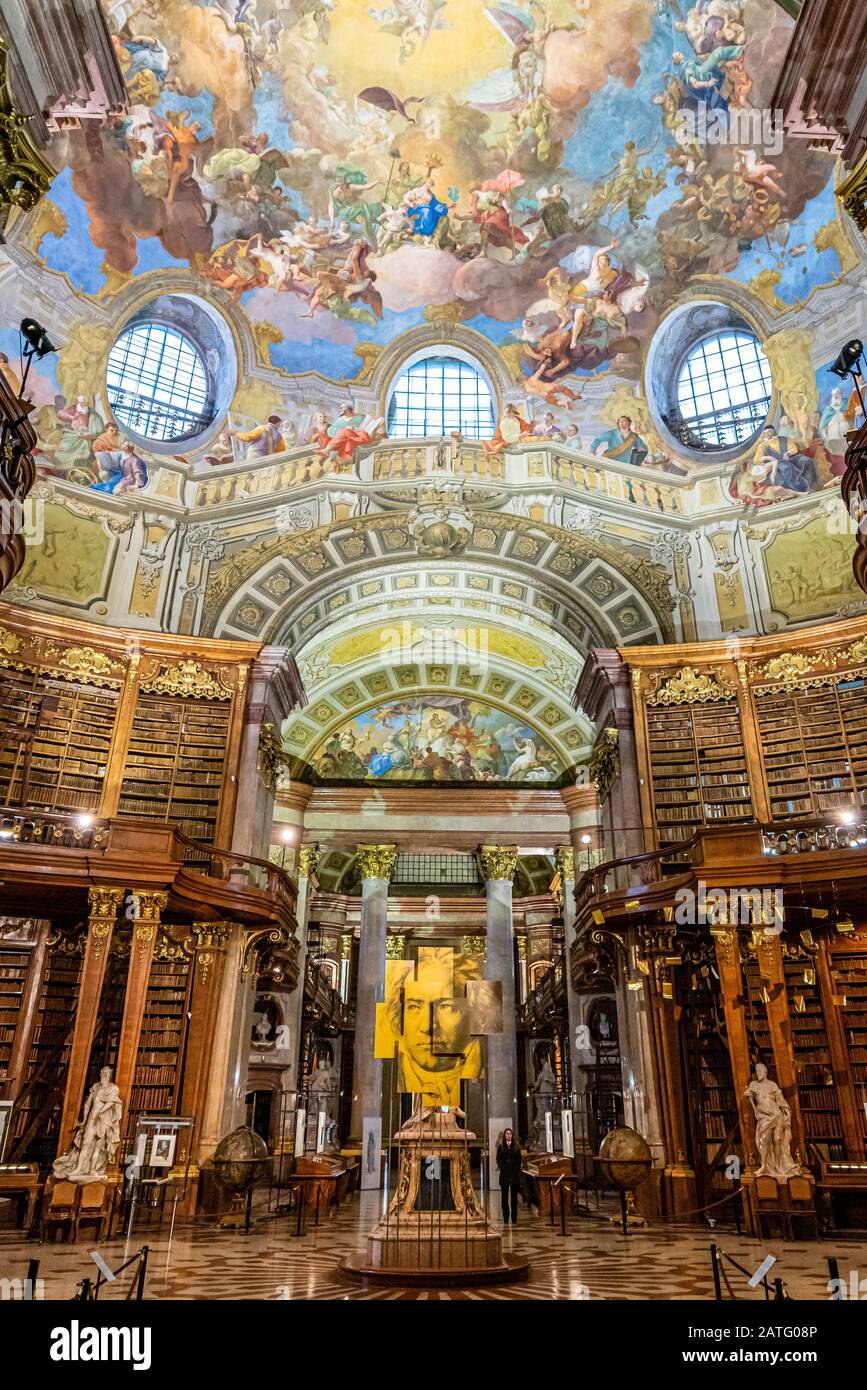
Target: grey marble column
(308, 858)
(376, 863)
(498, 866)
(566, 865)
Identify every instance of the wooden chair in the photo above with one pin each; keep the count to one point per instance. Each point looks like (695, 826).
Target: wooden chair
(94, 1205)
(59, 1207)
(769, 1207)
(802, 1205)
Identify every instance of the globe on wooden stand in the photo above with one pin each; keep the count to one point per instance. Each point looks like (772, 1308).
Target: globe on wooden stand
(624, 1162)
(240, 1160)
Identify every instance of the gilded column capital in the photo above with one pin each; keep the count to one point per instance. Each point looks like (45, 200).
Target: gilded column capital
(346, 947)
(473, 945)
(147, 914)
(499, 861)
(522, 947)
(102, 905)
(376, 861)
(211, 939)
(395, 947)
(566, 863)
(308, 860)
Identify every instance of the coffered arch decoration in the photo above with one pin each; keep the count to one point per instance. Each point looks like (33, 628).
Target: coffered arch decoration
(271, 589)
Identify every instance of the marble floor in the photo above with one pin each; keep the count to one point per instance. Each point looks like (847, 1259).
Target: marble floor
(594, 1261)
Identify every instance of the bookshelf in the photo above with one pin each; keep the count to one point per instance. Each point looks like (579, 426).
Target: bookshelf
(106, 1039)
(175, 763)
(55, 742)
(49, 1052)
(14, 965)
(712, 1103)
(814, 747)
(698, 767)
(817, 1088)
(849, 981)
(756, 1016)
(157, 1077)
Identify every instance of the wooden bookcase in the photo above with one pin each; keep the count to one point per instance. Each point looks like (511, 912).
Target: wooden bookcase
(55, 742)
(849, 982)
(49, 1051)
(698, 767)
(158, 1076)
(175, 763)
(14, 968)
(756, 1018)
(711, 1101)
(817, 1087)
(814, 747)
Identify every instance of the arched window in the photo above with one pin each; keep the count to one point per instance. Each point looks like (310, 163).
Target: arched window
(723, 391)
(438, 395)
(157, 383)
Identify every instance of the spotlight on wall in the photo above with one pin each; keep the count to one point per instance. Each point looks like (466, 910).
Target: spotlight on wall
(84, 822)
(36, 338)
(585, 839)
(849, 364)
(289, 835)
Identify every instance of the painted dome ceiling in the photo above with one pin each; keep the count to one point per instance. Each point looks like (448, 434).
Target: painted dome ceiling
(567, 193)
(338, 168)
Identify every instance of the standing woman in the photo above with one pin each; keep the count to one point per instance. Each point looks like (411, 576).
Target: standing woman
(509, 1164)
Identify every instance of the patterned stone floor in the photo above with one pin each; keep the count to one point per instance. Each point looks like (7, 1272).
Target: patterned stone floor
(595, 1260)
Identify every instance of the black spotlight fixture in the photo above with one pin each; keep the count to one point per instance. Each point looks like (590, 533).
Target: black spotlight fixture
(849, 364)
(36, 338)
(36, 344)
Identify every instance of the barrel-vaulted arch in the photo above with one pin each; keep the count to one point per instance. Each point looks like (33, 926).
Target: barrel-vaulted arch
(395, 652)
(286, 587)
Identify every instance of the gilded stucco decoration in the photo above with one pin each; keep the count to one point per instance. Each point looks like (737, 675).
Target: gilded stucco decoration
(689, 687)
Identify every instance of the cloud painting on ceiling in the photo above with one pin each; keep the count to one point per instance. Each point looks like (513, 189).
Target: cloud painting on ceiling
(555, 172)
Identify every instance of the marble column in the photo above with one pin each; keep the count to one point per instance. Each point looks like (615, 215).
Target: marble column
(308, 858)
(498, 866)
(566, 865)
(375, 863)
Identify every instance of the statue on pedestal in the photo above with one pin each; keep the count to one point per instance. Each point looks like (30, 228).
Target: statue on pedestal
(322, 1090)
(543, 1089)
(96, 1137)
(773, 1127)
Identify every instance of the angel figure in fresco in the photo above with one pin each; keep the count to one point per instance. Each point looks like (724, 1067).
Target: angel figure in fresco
(713, 22)
(757, 172)
(412, 21)
(703, 80)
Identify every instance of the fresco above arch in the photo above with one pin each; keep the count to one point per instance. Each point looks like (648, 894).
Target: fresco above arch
(437, 739)
(553, 175)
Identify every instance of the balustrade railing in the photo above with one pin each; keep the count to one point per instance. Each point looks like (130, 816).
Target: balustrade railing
(71, 830)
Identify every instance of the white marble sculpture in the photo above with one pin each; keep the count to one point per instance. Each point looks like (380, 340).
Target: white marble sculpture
(96, 1137)
(773, 1127)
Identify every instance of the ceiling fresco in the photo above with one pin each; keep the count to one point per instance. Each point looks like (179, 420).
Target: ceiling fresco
(344, 180)
(338, 167)
(436, 738)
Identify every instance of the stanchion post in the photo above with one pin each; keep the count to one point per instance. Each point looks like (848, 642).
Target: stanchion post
(717, 1287)
(30, 1281)
(142, 1271)
(299, 1188)
(779, 1295)
(833, 1267)
(318, 1195)
(562, 1187)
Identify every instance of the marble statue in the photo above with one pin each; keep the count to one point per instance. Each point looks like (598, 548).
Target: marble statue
(96, 1137)
(773, 1127)
(322, 1091)
(543, 1088)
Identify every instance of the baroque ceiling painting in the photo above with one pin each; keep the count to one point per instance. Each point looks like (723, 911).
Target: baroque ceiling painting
(437, 738)
(541, 215)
